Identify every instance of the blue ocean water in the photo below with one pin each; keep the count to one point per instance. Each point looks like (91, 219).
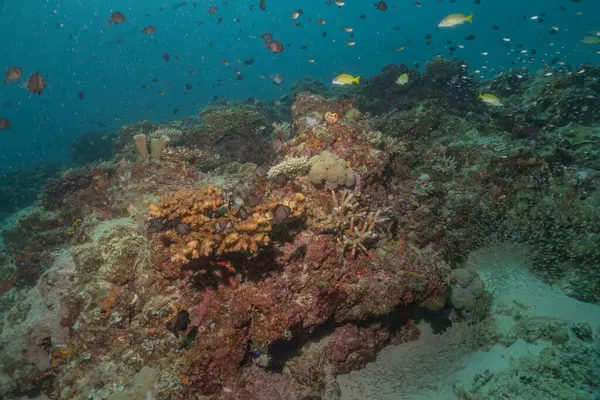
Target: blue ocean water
(73, 46)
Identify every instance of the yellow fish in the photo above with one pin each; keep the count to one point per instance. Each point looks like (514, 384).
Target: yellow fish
(490, 99)
(402, 79)
(345, 79)
(455, 19)
(591, 40)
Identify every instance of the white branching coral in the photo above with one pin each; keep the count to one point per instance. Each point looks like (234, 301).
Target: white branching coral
(290, 167)
(282, 130)
(172, 134)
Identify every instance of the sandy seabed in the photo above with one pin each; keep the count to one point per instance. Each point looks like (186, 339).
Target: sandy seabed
(430, 368)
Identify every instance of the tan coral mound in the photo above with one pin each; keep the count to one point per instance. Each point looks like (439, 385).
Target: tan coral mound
(329, 170)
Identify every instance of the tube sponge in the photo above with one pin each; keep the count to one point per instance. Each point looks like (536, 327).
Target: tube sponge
(329, 170)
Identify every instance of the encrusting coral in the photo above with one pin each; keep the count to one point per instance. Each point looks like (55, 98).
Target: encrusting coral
(205, 225)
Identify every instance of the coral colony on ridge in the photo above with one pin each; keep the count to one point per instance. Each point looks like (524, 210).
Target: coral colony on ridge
(423, 224)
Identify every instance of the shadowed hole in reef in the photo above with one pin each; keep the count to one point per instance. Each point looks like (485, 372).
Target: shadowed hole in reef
(283, 350)
(212, 271)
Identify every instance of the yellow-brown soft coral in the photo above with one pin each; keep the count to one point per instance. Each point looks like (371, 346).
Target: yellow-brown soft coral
(212, 228)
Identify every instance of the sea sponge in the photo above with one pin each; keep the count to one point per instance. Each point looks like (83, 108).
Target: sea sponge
(329, 170)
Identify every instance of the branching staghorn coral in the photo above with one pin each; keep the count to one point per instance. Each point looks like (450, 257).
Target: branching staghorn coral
(445, 164)
(205, 225)
(355, 229)
(359, 234)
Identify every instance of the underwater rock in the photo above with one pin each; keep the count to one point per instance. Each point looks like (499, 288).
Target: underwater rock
(235, 132)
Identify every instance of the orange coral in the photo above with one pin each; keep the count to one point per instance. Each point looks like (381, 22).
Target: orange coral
(216, 233)
(59, 355)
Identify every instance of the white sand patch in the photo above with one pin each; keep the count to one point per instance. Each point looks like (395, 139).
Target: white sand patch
(428, 369)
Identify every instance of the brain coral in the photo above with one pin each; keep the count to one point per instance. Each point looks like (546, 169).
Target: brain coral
(328, 169)
(469, 296)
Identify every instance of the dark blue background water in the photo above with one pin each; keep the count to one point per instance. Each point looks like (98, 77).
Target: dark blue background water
(71, 43)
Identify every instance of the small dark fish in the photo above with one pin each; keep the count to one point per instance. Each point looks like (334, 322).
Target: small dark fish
(4, 124)
(276, 145)
(80, 95)
(243, 212)
(149, 30)
(267, 36)
(155, 80)
(248, 62)
(281, 213)
(179, 323)
(239, 77)
(262, 4)
(36, 83)
(220, 20)
(303, 47)
(188, 86)
(13, 74)
(117, 18)
(381, 6)
(175, 110)
(212, 10)
(362, 16)
(262, 170)
(179, 5)
(166, 56)
(470, 37)
(281, 180)
(275, 46)
(495, 27)
(182, 229)
(251, 200)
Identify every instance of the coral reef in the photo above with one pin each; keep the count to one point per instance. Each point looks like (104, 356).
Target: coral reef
(295, 251)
